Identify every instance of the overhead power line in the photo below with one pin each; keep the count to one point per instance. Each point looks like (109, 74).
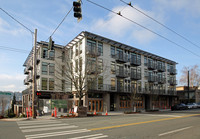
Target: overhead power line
(178, 34)
(14, 49)
(61, 22)
(144, 28)
(17, 21)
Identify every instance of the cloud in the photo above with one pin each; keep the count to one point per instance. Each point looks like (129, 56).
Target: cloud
(11, 77)
(121, 27)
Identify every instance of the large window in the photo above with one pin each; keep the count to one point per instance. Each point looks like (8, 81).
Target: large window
(112, 51)
(113, 68)
(44, 83)
(100, 82)
(51, 84)
(100, 65)
(51, 55)
(44, 68)
(125, 102)
(51, 69)
(113, 83)
(91, 46)
(76, 63)
(100, 48)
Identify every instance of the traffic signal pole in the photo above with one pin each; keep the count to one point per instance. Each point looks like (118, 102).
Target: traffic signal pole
(34, 76)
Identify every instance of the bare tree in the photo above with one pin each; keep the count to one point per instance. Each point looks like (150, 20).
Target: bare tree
(78, 73)
(194, 75)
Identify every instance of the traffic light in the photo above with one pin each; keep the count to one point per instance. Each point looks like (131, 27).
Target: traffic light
(77, 10)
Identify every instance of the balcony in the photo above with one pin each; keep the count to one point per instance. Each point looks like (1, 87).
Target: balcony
(101, 87)
(135, 62)
(120, 58)
(151, 66)
(26, 81)
(30, 78)
(92, 53)
(171, 92)
(135, 76)
(161, 80)
(26, 71)
(121, 74)
(37, 61)
(120, 89)
(161, 91)
(161, 68)
(152, 78)
(172, 82)
(30, 67)
(172, 71)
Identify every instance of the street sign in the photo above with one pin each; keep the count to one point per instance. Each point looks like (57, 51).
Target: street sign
(5, 93)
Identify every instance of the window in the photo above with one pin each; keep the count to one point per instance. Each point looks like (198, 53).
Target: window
(125, 101)
(81, 47)
(139, 86)
(145, 61)
(72, 53)
(63, 71)
(91, 46)
(113, 68)
(76, 68)
(63, 85)
(80, 64)
(51, 55)
(44, 68)
(100, 48)
(113, 84)
(51, 69)
(100, 65)
(112, 50)
(100, 82)
(45, 53)
(51, 84)
(76, 50)
(44, 83)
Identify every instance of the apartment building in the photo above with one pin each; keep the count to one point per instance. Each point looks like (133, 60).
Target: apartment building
(51, 86)
(116, 76)
(129, 76)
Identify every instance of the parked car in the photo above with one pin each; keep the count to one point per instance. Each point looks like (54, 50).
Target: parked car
(179, 107)
(198, 105)
(195, 105)
(189, 105)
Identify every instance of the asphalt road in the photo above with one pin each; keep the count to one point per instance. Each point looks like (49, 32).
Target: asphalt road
(161, 125)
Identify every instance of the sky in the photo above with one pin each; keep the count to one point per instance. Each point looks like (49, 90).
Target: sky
(182, 16)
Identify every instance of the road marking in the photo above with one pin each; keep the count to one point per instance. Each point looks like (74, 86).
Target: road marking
(50, 128)
(23, 127)
(145, 122)
(44, 135)
(104, 136)
(27, 121)
(164, 115)
(174, 131)
(38, 123)
(86, 136)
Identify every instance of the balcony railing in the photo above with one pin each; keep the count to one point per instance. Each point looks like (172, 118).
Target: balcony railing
(135, 76)
(151, 66)
(152, 79)
(161, 80)
(30, 78)
(135, 62)
(30, 67)
(172, 71)
(26, 81)
(120, 58)
(172, 82)
(171, 92)
(92, 53)
(101, 87)
(121, 74)
(161, 68)
(26, 71)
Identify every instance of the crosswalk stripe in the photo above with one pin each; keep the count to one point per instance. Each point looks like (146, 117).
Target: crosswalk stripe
(23, 127)
(36, 121)
(56, 134)
(39, 123)
(104, 136)
(86, 136)
(50, 128)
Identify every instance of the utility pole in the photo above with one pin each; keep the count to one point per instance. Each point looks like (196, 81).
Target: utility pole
(34, 76)
(188, 86)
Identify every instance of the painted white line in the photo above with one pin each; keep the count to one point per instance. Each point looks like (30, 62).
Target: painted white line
(164, 115)
(104, 136)
(56, 134)
(50, 128)
(174, 131)
(86, 136)
(23, 127)
(38, 123)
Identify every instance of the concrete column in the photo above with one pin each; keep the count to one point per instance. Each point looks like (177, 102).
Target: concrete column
(106, 102)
